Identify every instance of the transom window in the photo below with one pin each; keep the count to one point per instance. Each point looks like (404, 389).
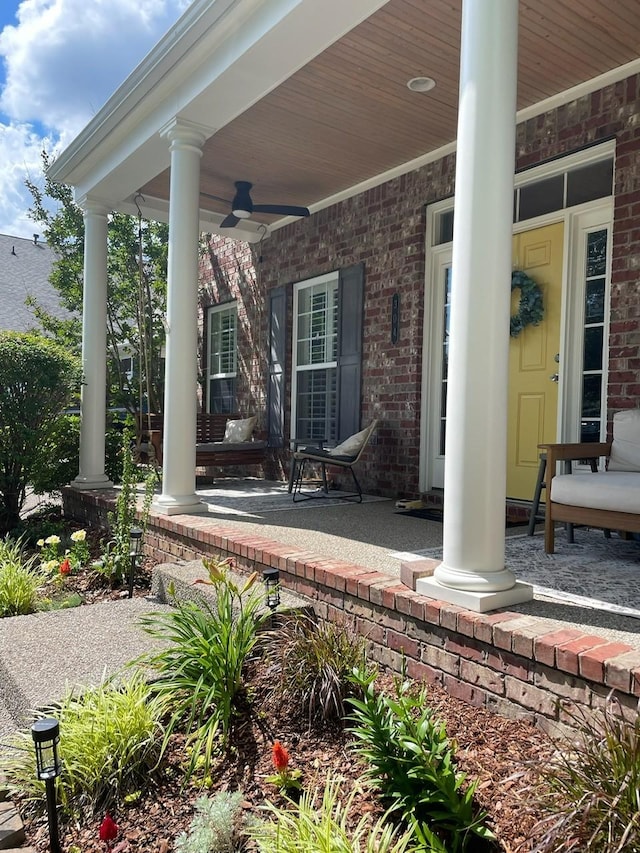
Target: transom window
(222, 358)
(315, 349)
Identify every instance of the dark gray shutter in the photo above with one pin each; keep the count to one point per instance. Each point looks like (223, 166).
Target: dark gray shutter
(350, 312)
(277, 361)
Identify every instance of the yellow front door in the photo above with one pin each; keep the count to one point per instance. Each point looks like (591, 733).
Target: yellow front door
(533, 395)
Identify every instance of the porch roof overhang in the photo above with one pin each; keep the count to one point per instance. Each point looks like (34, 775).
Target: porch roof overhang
(308, 101)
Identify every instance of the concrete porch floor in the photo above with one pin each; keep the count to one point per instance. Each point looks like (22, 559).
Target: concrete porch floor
(534, 659)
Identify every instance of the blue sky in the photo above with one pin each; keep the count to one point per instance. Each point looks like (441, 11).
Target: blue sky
(60, 60)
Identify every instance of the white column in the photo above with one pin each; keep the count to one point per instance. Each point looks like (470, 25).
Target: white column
(94, 350)
(472, 573)
(181, 369)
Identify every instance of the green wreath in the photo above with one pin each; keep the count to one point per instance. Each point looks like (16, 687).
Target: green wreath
(531, 308)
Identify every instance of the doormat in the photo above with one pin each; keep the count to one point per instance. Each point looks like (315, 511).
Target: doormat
(432, 513)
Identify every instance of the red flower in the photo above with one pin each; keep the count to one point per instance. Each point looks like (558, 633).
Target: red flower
(65, 567)
(108, 829)
(279, 756)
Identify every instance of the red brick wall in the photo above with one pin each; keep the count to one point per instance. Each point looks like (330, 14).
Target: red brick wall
(385, 228)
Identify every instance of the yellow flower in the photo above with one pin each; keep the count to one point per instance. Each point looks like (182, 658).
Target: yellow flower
(40, 543)
(79, 536)
(52, 540)
(50, 566)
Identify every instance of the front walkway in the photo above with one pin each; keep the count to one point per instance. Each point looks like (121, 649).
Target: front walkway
(535, 660)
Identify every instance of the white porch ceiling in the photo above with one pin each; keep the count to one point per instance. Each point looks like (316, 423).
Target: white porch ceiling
(308, 100)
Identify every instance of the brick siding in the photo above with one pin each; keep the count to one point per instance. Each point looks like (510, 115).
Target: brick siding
(385, 229)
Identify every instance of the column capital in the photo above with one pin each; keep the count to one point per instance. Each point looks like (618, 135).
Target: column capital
(183, 133)
(94, 206)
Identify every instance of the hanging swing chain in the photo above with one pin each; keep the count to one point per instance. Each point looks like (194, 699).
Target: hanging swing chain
(142, 321)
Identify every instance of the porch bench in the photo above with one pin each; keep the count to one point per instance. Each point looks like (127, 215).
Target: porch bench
(607, 499)
(211, 448)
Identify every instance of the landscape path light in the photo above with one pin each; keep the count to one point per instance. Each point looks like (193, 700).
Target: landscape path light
(135, 552)
(271, 578)
(46, 737)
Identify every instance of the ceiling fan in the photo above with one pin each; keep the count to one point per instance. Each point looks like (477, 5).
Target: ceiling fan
(242, 206)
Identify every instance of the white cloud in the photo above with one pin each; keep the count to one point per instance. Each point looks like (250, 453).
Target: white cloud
(63, 59)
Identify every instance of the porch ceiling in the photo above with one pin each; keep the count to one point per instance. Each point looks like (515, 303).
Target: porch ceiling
(347, 116)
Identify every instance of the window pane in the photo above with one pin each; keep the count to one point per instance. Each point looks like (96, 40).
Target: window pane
(596, 253)
(445, 228)
(541, 197)
(594, 301)
(591, 391)
(222, 341)
(222, 395)
(589, 182)
(316, 404)
(593, 348)
(590, 431)
(317, 326)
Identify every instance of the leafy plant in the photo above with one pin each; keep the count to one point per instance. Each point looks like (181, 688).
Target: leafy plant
(287, 780)
(218, 825)
(19, 580)
(321, 824)
(592, 790)
(411, 761)
(115, 560)
(37, 380)
(314, 661)
(199, 674)
(110, 743)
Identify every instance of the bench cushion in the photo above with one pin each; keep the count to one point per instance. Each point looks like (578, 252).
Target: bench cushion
(617, 491)
(239, 430)
(229, 446)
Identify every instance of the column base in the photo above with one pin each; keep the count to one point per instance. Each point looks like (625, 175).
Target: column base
(181, 505)
(478, 602)
(99, 481)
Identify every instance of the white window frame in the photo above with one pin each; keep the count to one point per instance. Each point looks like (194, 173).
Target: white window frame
(327, 278)
(225, 307)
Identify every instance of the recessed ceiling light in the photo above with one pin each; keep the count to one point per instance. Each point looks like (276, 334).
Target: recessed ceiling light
(421, 84)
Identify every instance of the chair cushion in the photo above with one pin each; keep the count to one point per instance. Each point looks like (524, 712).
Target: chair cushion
(351, 446)
(239, 430)
(625, 448)
(618, 491)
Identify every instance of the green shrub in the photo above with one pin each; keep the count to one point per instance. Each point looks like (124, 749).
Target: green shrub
(37, 381)
(320, 824)
(410, 760)
(218, 826)
(313, 662)
(591, 791)
(44, 522)
(199, 674)
(109, 743)
(19, 580)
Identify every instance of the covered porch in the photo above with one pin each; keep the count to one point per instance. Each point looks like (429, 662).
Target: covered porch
(568, 647)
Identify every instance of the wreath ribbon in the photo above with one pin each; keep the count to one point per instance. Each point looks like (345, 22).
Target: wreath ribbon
(531, 308)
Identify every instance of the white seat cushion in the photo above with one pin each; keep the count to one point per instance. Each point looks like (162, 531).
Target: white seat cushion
(625, 448)
(618, 491)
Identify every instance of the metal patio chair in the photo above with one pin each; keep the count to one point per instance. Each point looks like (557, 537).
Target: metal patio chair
(345, 455)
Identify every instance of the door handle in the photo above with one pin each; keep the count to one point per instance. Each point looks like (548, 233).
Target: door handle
(554, 377)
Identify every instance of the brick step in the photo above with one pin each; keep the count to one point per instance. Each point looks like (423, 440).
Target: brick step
(11, 828)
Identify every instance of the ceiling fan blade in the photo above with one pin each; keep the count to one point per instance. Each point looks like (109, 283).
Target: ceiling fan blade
(285, 209)
(229, 221)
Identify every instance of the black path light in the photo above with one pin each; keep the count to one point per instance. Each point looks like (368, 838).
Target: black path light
(46, 737)
(271, 578)
(135, 552)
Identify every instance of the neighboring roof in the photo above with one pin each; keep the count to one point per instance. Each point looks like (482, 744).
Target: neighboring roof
(25, 267)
